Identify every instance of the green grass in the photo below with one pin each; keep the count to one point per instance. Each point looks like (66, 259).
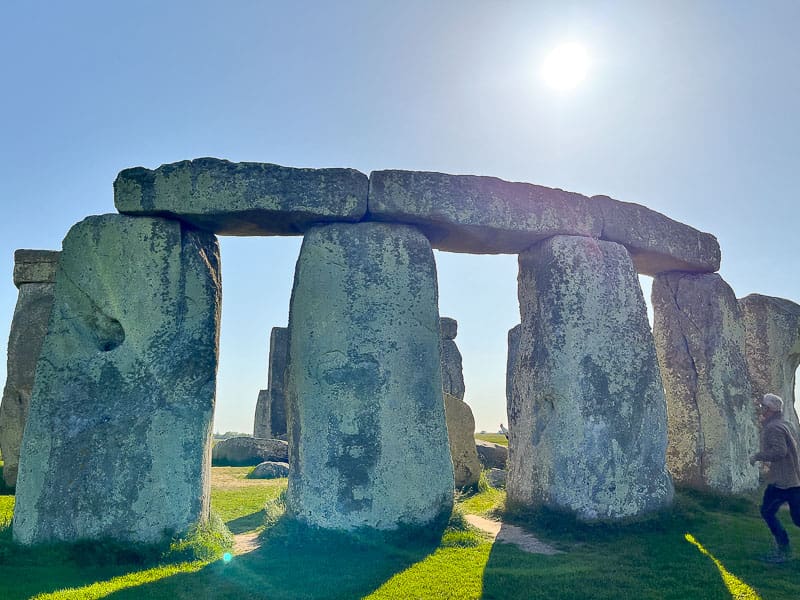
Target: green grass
(496, 438)
(650, 558)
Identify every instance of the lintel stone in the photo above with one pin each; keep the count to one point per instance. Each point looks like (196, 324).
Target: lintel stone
(245, 198)
(35, 266)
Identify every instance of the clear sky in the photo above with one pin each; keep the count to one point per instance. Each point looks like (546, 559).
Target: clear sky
(690, 108)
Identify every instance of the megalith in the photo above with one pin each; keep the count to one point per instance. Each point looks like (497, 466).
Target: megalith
(700, 343)
(278, 358)
(511, 360)
(118, 440)
(368, 439)
(460, 421)
(261, 417)
(772, 348)
(587, 418)
(452, 369)
(461, 434)
(34, 275)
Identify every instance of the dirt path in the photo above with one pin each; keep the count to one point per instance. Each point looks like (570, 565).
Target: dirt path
(246, 542)
(511, 534)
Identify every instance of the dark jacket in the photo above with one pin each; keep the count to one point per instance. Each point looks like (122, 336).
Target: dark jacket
(779, 449)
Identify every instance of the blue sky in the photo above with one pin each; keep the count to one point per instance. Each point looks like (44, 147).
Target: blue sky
(689, 108)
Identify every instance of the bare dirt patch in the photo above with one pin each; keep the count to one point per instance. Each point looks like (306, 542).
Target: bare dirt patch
(511, 534)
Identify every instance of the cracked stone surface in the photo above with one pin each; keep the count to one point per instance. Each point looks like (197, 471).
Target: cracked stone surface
(118, 440)
(700, 341)
(366, 418)
(587, 418)
(772, 343)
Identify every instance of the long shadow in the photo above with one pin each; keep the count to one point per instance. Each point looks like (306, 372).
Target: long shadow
(246, 523)
(295, 564)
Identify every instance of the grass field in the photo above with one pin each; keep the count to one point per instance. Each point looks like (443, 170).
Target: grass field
(652, 559)
(497, 438)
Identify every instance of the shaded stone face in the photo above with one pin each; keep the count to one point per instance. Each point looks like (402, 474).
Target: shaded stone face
(261, 419)
(449, 328)
(367, 431)
(772, 348)
(587, 418)
(118, 440)
(452, 370)
(35, 266)
(461, 432)
(278, 358)
(700, 342)
(243, 198)
(34, 273)
(511, 361)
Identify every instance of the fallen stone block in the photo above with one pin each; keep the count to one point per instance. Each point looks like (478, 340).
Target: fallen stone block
(246, 451)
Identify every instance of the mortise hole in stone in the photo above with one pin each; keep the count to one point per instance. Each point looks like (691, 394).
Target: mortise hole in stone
(110, 333)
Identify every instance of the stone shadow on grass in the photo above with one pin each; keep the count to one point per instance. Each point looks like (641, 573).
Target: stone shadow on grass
(246, 523)
(295, 562)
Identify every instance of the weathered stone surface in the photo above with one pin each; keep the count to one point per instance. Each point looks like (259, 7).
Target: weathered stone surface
(461, 432)
(28, 328)
(243, 198)
(246, 451)
(452, 370)
(656, 242)
(35, 266)
(269, 470)
(587, 419)
(118, 437)
(497, 477)
(449, 328)
(366, 417)
(700, 343)
(480, 215)
(491, 455)
(261, 418)
(511, 361)
(485, 215)
(278, 359)
(772, 348)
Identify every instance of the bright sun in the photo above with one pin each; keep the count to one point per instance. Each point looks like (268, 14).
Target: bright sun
(565, 66)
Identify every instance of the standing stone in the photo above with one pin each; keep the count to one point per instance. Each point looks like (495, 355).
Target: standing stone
(34, 275)
(699, 335)
(368, 438)
(452, 369)
(587, 419)
(511, 361)
(278, 358)
(772, 343)
(461, 433)
(118, 440)
(261, 419)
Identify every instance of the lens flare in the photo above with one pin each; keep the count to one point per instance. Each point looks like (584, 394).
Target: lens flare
(227, 557)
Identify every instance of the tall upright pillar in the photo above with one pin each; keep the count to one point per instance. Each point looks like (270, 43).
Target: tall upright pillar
(34, 275)
(118, 440)
(700, 343)
(367, 433)
(772, 348)
(587, 417)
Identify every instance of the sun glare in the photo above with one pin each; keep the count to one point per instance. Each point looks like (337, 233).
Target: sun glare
(565, 66)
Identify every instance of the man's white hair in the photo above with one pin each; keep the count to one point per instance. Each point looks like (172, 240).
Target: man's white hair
(772, 401)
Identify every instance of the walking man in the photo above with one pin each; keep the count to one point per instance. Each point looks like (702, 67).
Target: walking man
(779, 449)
